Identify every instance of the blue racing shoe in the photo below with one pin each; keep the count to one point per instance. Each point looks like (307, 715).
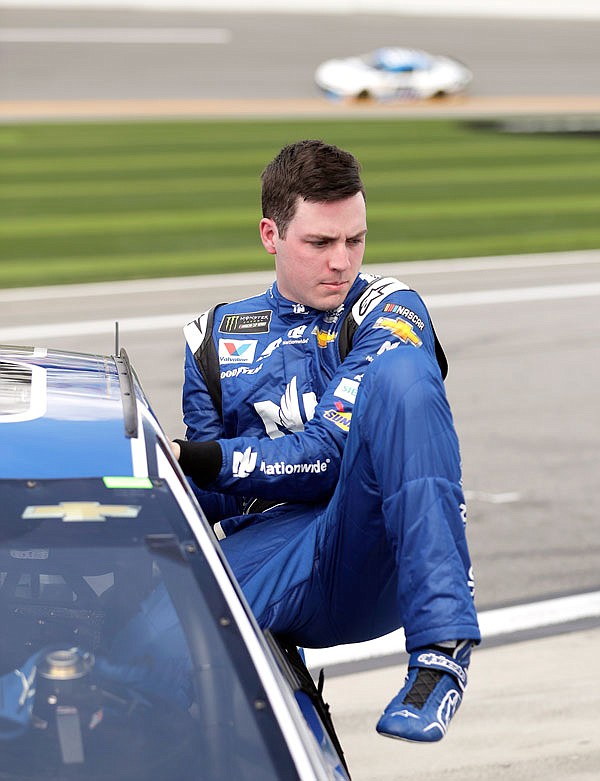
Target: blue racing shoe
(431, 695)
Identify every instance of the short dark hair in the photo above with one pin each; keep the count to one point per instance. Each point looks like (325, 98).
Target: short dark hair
(309, 169)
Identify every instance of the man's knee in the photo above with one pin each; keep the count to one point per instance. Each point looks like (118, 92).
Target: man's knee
(399, 379)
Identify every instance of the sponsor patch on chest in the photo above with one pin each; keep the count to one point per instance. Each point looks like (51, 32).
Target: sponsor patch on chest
(246, 322)
(236, 350)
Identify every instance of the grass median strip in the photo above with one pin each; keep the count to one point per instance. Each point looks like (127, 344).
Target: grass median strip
(85, 201)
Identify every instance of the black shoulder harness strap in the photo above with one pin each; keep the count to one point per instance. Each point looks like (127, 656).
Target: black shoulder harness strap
(208, 360)
(346, 334)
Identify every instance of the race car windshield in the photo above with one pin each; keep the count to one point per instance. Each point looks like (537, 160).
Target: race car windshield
(119, 658)
(398, 60)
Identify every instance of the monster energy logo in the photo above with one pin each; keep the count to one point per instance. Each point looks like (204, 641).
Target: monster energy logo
(246, 323)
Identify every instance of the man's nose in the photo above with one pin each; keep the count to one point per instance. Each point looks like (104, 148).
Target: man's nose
(339, 258)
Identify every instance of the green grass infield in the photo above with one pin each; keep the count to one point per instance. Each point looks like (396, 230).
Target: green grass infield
(97, 201)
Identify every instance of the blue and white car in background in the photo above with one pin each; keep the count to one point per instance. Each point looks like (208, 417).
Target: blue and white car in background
(127, 650)
(392, 73)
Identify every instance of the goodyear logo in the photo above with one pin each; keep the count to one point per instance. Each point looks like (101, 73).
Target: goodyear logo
(324, 337)
(339, 419)
(400, 329)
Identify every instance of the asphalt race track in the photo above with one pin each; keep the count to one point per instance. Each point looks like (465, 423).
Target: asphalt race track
(522, 336)
(204, 61)
(523, 339)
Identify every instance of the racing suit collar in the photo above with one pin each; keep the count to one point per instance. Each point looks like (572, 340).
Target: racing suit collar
(284, 307)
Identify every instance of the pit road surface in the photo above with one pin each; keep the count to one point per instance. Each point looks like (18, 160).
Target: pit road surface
(523, 339)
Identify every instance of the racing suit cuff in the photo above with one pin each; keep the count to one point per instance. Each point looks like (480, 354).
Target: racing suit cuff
(201, 461)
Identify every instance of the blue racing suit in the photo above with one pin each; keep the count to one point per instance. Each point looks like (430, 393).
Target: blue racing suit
(338, 500)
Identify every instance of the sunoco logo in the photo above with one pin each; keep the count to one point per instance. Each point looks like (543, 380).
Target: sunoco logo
(339, 419)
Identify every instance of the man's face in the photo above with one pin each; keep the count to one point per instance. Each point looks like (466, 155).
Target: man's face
(322, 252)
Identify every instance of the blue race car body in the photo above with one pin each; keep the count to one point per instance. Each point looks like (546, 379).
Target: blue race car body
(127, 648)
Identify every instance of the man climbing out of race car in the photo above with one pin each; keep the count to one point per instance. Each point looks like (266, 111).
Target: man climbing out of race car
(323, 447)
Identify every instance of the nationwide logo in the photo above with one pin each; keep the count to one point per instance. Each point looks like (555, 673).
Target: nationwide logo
(246, 323)
(236, 350)
(339, 419)
(296, 333)
(295, 336)
(400, 329)
(281, 468)
(244, 463)
(324, 337)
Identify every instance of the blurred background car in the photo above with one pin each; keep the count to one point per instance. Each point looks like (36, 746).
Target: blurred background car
(392, 73)
(127, 649)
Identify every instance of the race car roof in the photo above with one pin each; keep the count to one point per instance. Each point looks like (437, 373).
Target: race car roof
(65, 414)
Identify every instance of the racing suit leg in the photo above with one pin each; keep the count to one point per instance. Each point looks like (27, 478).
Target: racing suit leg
(401, 483)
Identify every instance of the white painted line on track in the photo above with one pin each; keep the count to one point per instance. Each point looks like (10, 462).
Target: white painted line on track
(214, 281)
(507, 497)
(493, 624)
(513, 295)
(151, 35)
(130, 287)
(12, 334)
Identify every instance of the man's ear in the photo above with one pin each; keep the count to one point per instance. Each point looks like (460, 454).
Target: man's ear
(269, 235)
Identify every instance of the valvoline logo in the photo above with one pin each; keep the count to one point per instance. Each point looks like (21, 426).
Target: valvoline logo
(237, 350)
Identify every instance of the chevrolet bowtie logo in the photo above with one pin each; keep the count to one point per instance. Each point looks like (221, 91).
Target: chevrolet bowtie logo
(323, 337)
(81, 511)
(400, 328)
